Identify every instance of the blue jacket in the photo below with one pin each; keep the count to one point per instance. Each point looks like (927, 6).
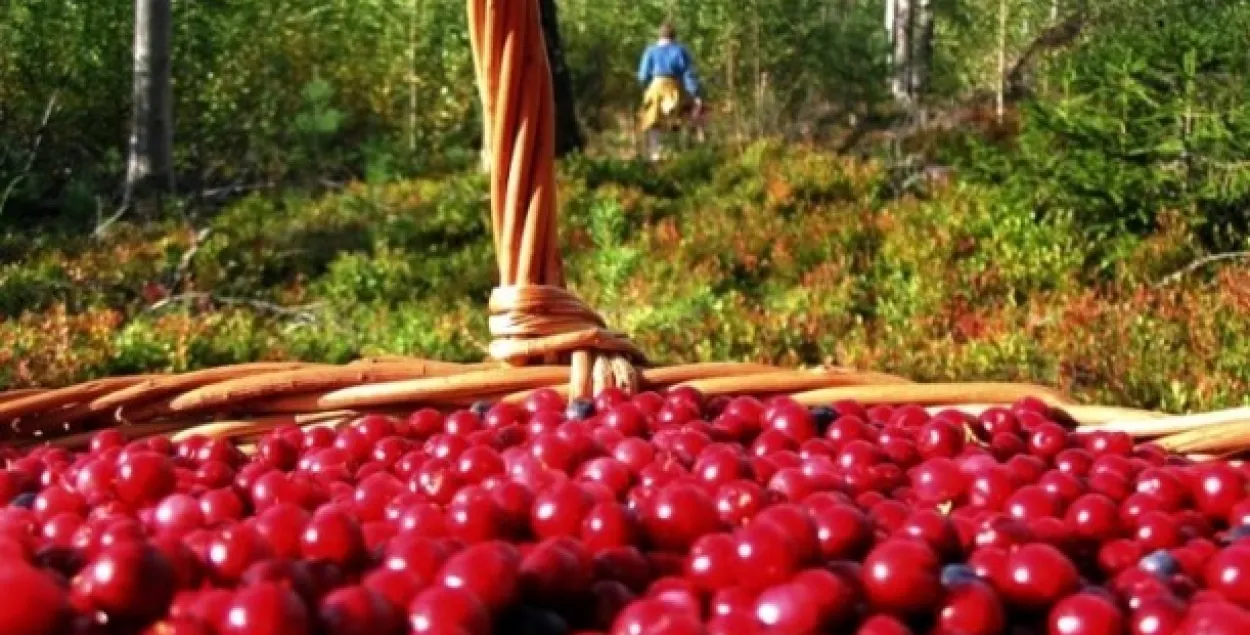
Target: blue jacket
(669, 59)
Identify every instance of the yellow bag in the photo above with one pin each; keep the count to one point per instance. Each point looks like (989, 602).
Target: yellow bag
(663, 104)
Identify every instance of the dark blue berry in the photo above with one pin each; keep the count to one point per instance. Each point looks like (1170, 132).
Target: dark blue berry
(953, 574)
(822, 416)
(1240, 532)
(63, 560)
(1160, 563)
(579, 410)
(526, 620)
(480, 408)
(25, 500)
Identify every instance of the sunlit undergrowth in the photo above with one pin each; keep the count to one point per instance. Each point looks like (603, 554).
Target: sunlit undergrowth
(777, 254)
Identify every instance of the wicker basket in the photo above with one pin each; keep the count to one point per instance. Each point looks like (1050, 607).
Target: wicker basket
(544, 336)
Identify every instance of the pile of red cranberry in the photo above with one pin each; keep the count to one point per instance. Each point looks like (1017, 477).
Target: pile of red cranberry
(660, 514)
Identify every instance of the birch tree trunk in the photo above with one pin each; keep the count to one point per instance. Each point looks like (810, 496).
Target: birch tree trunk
(999, 105)
(149, 169)
(756, 44)
(414, 17)
(889, 36)
(889, 26)
(921, 62)
(900, 28)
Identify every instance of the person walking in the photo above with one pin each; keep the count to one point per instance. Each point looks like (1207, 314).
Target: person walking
(671, 87)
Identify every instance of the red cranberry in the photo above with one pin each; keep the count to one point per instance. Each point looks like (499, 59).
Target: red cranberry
(397, 587)
(144, 477)
(1048, 440)
(34, 604)
(420, 555)
(842, 530)
(678, 515)
(560, 510)
(1038, 575)
(901, 576)
(654, 616)
(940, 438)
(1030, 503)
(489, 570)
(265, 609)
(764, 556)
(474, 517)
(1158, 530)
(788, 608)
(277, 452)
(287, 573)
(1093, 517)
(232, 550)
(798, 525)
(608, 525)
(883, 625)
(1116, 555)
(832, 594)
(934, 529)
(608, 471)
(794, 421)
(1085, 614)
(357, 610)
(1219, 488)
(105, 439)
(281, 527)
(1160, 615)
(623, 564)
(129, 581)
(739, 501)
(439, 608)
(1215, 618)
(938, 480)
(334, 536)
(972, 607)
(712, 563)
(56, 500)
(1228, 573)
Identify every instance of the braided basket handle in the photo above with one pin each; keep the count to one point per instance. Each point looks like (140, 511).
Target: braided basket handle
(533, 317)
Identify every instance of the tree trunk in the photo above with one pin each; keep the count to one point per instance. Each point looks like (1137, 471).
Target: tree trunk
(149, 170)
(756, 45)
(900, 25)
(414, 17)
(889, 36)
(889, 26)
(1000, 86)
(568, 132)
(921, 62)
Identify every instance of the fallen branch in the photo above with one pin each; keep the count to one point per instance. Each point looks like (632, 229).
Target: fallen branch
(1200, 263)
(101, 226)
(184, 264)
(34, 151)
(304, 313)
(1057, 36)
(226, 191)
